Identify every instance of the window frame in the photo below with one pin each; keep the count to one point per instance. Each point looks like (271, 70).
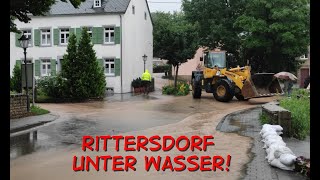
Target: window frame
(109, 61)
(65, 33)
(46, 33)
(109, 32)
(95, 3)
(46, 63)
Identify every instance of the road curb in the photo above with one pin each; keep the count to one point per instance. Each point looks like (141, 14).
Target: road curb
(234, 113)
(32, 126)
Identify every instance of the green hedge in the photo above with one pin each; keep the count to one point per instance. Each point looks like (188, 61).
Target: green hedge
(181, 90)
(299, 106)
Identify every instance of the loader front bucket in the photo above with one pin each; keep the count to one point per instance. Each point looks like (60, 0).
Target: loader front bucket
(261, 85)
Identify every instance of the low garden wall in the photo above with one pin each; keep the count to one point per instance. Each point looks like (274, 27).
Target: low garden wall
(278, 116)
(18, 106)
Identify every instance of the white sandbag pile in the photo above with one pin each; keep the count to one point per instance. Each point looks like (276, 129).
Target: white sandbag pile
(278, 154)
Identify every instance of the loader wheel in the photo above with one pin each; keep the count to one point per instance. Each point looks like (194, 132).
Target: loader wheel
(223, 91)
(196, 90)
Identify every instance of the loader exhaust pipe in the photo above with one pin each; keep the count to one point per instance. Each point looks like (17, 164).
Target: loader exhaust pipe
(261, 85)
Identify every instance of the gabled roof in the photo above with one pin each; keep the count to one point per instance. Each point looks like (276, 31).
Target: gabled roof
(108, 6)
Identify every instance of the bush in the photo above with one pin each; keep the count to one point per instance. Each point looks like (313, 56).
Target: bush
(299, 105)
(15, 81)
(181, 90)
(162, 68)
(52, 86)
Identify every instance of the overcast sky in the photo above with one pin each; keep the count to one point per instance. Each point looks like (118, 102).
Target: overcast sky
(164, 5)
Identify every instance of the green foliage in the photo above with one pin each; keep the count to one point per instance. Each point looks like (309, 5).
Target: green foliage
(174, 38)
(91, 74)
(264, 119)
(214, 22)
(15, 81)
(22, 9)
(52, 86)
(181, 90)
(85, 78)
(274, 33)
(136, 83)
(36, 110)
(299, 106)
(162, 68)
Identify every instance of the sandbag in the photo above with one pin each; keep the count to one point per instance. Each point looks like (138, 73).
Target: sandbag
(282, 150)
(287, 159)
(278, 164)
(265, 135)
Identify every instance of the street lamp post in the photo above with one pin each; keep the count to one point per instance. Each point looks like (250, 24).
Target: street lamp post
(144, 61)
(24, 42)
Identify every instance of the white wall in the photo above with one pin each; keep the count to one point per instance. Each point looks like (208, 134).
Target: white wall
(137, 41)
(36, 52)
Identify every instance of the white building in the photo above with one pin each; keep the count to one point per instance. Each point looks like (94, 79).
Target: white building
(121, 32)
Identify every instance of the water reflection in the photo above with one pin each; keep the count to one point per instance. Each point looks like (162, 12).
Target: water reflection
(23, 144)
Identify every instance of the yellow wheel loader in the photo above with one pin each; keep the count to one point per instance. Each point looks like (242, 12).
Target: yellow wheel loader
(214, 77)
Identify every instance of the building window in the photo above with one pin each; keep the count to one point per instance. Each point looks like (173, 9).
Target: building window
(97, 3)
(145, 15)
(133, 9)
(109, 67)
(45, 67)
(305, 56)
(89, 31)
(27, 33)
(109, 35)
(64, 35)
(45, 37)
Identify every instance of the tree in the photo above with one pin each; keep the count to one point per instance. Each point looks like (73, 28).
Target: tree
(16, 79)
(274, 33)
(69, 66)
(85, 78)
(22, 9)
(174, 39)
(92, 75)
(214, 20)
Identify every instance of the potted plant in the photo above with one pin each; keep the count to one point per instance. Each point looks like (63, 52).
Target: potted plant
(135, 86)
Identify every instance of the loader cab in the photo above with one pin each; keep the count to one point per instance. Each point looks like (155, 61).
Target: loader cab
(214, 58)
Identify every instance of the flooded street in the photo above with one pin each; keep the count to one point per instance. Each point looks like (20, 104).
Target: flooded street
(116, 114)
(50, 150)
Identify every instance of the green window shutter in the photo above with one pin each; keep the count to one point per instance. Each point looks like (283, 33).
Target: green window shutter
(18, 62)
(117, 68)
(78, 33)
(36, 37)
(97, 35)
(53, 67)
(18, 35)
(56, 36)
(117, 35)
(72, 31)
(101, 62)
(37, 67)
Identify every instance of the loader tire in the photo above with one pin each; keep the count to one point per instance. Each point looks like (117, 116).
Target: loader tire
(224, 91)
(196, 90)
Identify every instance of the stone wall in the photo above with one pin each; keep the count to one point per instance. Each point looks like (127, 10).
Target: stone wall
(18, 106)
(278, 116)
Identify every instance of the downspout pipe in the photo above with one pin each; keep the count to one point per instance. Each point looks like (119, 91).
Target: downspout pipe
(121, 53)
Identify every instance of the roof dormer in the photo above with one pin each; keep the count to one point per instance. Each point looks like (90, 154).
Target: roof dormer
(96, 3)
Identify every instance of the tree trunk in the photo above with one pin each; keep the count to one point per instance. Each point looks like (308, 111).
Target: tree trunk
(176, 77)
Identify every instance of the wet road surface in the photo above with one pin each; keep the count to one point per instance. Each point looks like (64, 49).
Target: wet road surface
(116, 114)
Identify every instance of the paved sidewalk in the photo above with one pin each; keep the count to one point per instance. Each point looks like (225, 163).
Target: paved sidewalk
(21, 124)
(246, 123)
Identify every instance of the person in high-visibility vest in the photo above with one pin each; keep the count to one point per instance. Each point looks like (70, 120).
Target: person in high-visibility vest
(146, 81)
